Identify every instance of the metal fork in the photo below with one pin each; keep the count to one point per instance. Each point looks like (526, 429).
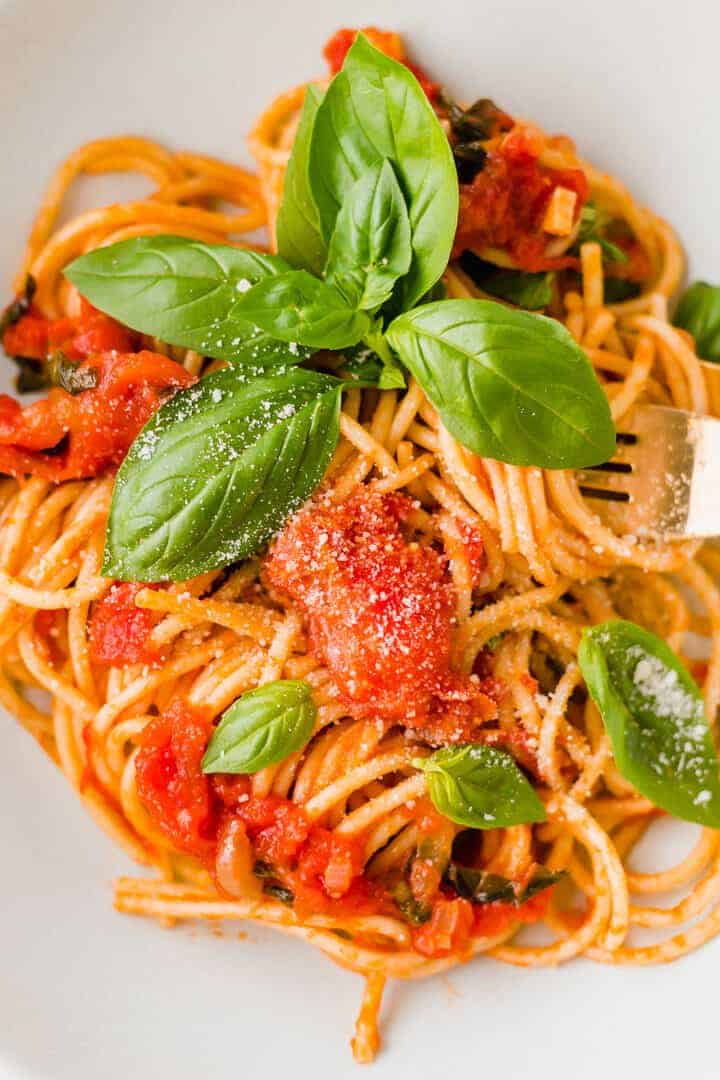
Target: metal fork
(664, 479)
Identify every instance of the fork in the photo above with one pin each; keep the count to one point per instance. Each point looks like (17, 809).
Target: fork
(664, 478)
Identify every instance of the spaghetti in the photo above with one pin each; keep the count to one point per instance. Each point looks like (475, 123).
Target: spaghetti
(345, 845)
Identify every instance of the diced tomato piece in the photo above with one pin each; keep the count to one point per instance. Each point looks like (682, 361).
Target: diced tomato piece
(119, 629)
(170, 781)
(277, 827)
(388, 42)
(330, 860)
(71, 436)
(448, 930)
(380, 613)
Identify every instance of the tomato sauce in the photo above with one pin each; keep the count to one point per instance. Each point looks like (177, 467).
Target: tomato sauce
(380, 613)
(322, 870)
(504, 206)
(388, 42)
(72, 436)
(91, 332)
(454, 922)
(119, 630)
(170, 781)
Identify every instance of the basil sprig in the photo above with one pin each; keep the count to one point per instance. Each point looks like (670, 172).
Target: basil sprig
(480, 787)
(375, 109)
(365, 230)
(184, 292)
(508, 384)
(653, 712)
(699, 313)
(262, 728)
(217, 470)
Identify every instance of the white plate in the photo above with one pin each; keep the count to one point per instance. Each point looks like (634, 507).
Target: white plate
(86, 993)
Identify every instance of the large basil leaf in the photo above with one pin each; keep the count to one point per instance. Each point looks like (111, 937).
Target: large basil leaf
(217, 470)
(654, 715)
(184, 292)
(297, 307)
(699, 313)
(508, 384)
(262, 728)
(374, 109)
(370, 246)
(299, 239)
(480, 786)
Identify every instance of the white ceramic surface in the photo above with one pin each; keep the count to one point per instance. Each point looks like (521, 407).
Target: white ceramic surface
(86, 993)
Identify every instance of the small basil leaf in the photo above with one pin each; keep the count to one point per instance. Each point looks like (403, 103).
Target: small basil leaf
(530, 291)
(297, 307)
(541, 879)
(508, 384)
(374, 109)
(299, 238)
(217, 470)
(370, 245)
(654, 715)
(479, 886)
(262, 728)
(481, 787)
(184, 292)
(699, 313)
(415, 912)
(363, 365)
(592, 222)
(279, 892)
(69, 375)
(618, 289)
(18, 307)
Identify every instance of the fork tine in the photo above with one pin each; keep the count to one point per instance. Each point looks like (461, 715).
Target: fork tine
(660, 481)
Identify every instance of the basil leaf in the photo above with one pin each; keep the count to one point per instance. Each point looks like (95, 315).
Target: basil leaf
(508, 385)
(653, 713)
(530, 291)
(69, 375)
(374, 109)
(618, 289)
(297, 307)
(217, 470)
(262, 728)
(541, 879)
(415, 912)
(699, 313)
(592, 222)
(480, 786)
(299, 239)
(363, 365)
(480, 887)
(184, 292)
(370, 245)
